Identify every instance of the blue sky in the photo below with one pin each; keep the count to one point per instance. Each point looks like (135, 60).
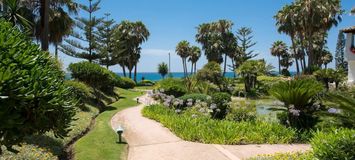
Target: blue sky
(170, 21)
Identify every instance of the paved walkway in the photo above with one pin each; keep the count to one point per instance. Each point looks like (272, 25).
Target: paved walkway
(149, 140)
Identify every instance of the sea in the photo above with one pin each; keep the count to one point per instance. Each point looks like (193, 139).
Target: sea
(154, 76)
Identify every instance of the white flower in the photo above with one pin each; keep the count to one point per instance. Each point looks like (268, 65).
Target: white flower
(189, 104)
(194, 116)
(178, 111)
(295, 112)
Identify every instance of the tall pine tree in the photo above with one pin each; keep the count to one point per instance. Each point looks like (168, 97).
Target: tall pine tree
(340, 62)
(84, 46)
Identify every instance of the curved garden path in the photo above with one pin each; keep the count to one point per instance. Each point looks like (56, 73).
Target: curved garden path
(149, 140)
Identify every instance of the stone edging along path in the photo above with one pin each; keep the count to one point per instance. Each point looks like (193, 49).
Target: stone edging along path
(149, 140)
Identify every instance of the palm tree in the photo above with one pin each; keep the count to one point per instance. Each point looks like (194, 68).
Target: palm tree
(326, 58)
(352, 11)
(195, 55)
(18, 14)
(183, 50)
(278, 49)
(224, 28)
(163, 69)
(60, 26)
(132, 34)
(286, 22)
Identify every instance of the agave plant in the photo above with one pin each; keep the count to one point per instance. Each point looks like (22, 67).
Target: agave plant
(299, 98)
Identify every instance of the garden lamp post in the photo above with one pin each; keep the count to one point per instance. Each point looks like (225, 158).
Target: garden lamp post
(119, 131)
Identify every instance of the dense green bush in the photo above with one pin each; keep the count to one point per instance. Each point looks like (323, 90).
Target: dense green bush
(210, 72)
(126, 83)
(94, 75)
(81, 91)
(206, 130)
(146, 83)
(33, 99)
(242, 111)
(338, 145)
(172, 86)
(221, 101)
(289, 156)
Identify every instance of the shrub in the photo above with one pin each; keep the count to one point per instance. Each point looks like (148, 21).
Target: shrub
(34, 99)
(172, 86)
(219, 104)
(81, 91)
(146, 83)
(289, 156)
(210, 72)
(94, 75)
(299, 98)
(249, 71)
(242, 111)
(126, 83)
(206, 130)
(337, 145)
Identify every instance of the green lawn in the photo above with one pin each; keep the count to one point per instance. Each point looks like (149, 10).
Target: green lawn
(100, 142)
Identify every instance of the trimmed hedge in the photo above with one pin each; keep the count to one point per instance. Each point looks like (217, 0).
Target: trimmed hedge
(126, 83)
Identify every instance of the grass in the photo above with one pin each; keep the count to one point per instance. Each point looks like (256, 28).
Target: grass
(206, 130)
(100, 142)
(144, 87)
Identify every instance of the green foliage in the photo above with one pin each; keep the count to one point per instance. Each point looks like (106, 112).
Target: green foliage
(249, 71)
(163, 69)
(194, 97)
(289, 156)
(146, 83)
(28, 151)
(298, 97)
(34, 99)
(94, 75)
(346, 108)
(242, 111)
(327, 76)
(203, 129)
(80, 91)
(172, 86)
(338, 145)
(126, 83)
(210, 72)
(221, 100)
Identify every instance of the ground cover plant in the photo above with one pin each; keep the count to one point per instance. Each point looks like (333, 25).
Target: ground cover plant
(199, 128)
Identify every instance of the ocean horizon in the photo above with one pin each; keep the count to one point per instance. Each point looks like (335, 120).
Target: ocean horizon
(155, 76)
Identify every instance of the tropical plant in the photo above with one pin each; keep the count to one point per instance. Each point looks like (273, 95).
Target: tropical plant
(249, 71)
(299, 98)
(343, 108)
(132, 35)
(184, 51)
(308, 22)
(195, 55)
(172, 86)
(18, 14)
(163, 69)
(33, 98)
(327, 76)
(279, 49)
(88, 27)
(326, 58)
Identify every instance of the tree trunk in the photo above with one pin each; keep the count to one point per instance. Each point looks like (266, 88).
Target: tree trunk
(195, 68)
(56, 51)
(225, 65)
(325, 66)
(192, 67)
(301, 62)
(183, 66)
(135, 73)
(279, 64)
(130, 73)
(297, 66)
(124, 70)
(44, 13)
